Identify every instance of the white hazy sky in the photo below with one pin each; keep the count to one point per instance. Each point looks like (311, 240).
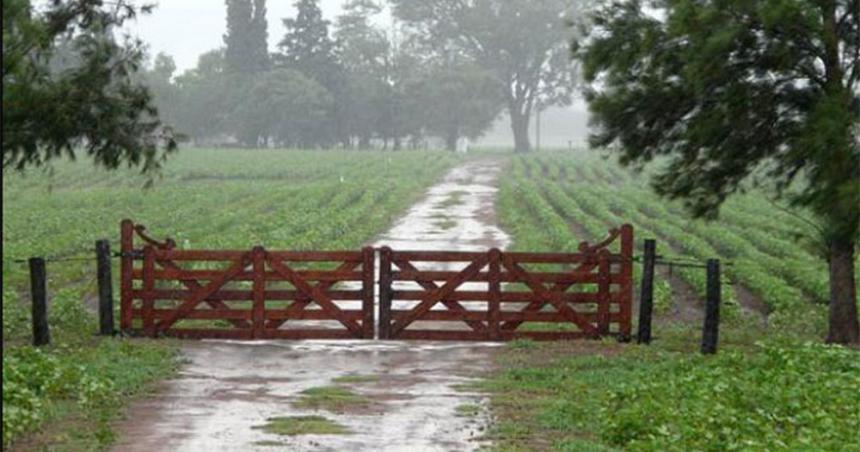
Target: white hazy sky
(186, 28)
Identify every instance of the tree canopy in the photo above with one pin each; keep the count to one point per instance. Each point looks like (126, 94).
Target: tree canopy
(68, 84)
(729, 91)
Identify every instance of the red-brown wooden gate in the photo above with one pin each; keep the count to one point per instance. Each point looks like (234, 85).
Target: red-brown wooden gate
(495, 295)
(261, 294)
(245, 294)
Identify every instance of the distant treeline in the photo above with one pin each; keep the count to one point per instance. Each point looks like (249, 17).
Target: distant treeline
(441, 70)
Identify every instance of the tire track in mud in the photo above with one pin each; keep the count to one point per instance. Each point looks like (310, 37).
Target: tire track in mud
(226, 390)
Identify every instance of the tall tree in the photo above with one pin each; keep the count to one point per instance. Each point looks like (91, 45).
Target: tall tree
(523, 43)
(246, 49)
(457, 100)
(363, 52)
(308, 48)
(90, 101)
(728, 88)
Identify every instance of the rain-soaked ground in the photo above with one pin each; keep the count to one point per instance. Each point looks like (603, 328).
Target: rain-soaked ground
(226, 390)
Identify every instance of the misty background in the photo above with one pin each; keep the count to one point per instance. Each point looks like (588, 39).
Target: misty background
(185, 30)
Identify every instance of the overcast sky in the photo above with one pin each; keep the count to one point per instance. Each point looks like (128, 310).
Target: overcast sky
(186, 28)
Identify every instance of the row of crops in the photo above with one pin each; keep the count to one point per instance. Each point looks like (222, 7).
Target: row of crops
(208, 199)
(556, 200)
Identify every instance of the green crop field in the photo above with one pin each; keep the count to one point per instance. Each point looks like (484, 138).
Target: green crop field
(203, 198)
(547, 396)
(771, 387)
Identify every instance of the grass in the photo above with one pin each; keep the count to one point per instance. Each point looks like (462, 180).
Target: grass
(355, 378)
(332, 398)
(300, 425)
(468, 410)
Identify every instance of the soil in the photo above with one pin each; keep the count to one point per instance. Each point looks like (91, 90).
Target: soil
(227, 388)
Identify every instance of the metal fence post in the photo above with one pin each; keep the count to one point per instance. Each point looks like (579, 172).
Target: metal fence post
(39, 294)
(103, 270)
(710, 332)
(646, 296)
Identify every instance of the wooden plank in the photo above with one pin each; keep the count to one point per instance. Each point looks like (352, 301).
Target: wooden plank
(168, 274)
(310, 314)
(439, 294)
(495, 289)
(209, 333)
(519, 257)
(203, 314)
(447, 302)
(549, 296)
(203, 293)
(367, 269)
(552, 317)
(446, 316)
(543, 277)
(509, 297)
(232, 255)
(126, 268)
(258, 256)
(545, 335)
(442, 335)
(339, 333)
(247, 295)
(316, 294)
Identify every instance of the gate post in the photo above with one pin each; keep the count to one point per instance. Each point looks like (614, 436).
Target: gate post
(711, 329)
(646, 297)
(258, 256)
(126, 268)
(626, 286)
(495, 295)
(384, 293)
(367, 274)
(103, 271)
(39, 294)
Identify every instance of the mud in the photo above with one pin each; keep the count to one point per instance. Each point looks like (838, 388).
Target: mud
(226, 388)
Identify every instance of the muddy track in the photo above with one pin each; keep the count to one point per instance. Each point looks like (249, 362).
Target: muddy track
(226, 390)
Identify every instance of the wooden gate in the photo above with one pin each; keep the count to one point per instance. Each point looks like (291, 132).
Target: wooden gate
(498, 295)
(244, 294)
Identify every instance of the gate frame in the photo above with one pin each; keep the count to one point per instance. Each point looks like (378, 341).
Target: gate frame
(257, 322)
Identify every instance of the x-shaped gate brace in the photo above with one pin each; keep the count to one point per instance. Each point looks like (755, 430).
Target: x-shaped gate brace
(259, 324)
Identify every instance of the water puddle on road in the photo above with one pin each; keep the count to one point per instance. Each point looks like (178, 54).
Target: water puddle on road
(227, 391)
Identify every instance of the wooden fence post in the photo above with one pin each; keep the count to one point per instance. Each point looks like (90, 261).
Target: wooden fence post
(646, 296)
(710, 332)
(368, 256)
(494, 287)
(126, 269)
(384, 293)
(39, 294)
(103, 271)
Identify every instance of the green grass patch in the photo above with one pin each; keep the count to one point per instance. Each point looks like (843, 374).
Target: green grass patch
(454, 199)
(445, 224)
(332, 398)
(355, 378)
(783, 394)
(302, 425)
(68, 395)
(468, 410)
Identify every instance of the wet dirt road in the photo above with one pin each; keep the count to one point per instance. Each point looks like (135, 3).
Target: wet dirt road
(226, 390)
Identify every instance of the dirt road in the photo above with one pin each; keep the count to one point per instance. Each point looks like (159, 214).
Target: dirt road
(406, 391)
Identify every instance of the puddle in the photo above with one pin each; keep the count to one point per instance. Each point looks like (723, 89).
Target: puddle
(227, 388)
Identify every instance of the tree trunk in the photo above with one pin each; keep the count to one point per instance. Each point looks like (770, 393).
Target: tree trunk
(520, 127)
(844, 326)
(451, 141)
